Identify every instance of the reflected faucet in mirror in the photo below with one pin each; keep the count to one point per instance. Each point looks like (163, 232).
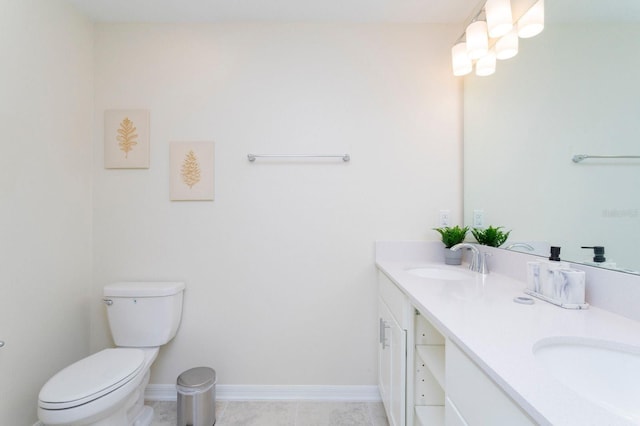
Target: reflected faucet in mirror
(514, 246)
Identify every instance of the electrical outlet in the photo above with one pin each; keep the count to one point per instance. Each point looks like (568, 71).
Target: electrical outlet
(445, 217)
(478, 218)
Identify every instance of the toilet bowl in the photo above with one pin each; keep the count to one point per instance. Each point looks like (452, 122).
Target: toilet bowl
(101, 386)
(107, 388)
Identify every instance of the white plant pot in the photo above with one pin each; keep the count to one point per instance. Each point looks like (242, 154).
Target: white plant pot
(452, 257)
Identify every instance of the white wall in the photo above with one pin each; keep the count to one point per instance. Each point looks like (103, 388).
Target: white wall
(46, 118)
(279, 268)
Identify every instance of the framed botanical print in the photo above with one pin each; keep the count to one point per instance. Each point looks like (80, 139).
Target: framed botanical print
(192, 171)
(126, 139)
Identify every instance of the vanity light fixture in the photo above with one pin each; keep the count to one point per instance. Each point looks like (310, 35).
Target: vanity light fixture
(532, 22)
(499, 18)
(461, 62)
(487, 64)
(477, 39)
(493, 34)
(507, 45)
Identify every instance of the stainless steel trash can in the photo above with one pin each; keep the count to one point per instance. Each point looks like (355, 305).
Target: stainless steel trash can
(197, 397)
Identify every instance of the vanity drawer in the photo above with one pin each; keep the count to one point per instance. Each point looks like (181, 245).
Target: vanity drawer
(477, 399)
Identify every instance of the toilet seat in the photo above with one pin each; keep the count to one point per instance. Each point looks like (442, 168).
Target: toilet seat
(91, 378)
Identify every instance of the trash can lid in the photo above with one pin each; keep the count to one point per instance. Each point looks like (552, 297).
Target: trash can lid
(197, 377)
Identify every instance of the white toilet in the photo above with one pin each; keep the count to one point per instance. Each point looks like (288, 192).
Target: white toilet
(107, 388)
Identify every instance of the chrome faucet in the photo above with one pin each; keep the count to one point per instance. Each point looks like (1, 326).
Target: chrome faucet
(478, 260)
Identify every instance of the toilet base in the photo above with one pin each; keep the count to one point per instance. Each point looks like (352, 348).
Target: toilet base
(145, 417)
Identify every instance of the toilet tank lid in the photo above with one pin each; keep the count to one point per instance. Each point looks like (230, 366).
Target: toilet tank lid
(143, 288)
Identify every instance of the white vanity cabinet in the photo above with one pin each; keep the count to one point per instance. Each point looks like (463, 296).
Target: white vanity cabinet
(425, 379)
(450, 389)
(393, 310)
(428, 374)
(473, 398)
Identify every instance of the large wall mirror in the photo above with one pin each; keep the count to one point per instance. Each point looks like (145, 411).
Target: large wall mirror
(573, 89)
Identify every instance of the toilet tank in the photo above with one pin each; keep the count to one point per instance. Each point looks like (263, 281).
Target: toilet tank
(143, 314)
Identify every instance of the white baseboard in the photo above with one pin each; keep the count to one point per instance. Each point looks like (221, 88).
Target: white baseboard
(274, 392)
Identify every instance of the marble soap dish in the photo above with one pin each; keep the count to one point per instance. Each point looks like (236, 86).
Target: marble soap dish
(557, 302)
(556, 283)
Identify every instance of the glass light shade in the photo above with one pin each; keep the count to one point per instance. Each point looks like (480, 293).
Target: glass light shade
(477, 39)
(499, 17)
(460, 60)
(507, 45)
(487, 64)
(532, 22)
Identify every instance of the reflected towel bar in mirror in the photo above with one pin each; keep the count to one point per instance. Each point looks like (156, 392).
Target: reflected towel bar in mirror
(579, 157)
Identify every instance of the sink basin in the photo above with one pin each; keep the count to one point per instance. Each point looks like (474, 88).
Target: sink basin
(436, 273)
(606, 373)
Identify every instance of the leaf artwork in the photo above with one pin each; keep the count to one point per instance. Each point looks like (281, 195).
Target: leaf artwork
(127, 136)
(190, 170)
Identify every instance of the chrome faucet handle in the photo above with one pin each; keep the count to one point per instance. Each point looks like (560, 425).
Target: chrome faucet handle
(475, 258)
(474, 264)
(483, 268)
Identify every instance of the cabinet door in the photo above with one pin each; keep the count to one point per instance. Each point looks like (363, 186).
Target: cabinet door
(452, 415)
(392, 366)
(476, 398)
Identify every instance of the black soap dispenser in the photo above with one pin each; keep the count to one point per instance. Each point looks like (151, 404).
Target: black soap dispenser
(598, 253)
(547, 272)
(598, 258)
(555, 254)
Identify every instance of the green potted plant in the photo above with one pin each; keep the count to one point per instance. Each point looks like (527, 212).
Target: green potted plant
(490, 236)
(450, 237)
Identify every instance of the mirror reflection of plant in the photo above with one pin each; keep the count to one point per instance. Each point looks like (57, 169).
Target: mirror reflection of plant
(452, 235)
(490, 236)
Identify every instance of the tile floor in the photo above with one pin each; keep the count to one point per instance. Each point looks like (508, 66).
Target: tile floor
(283, 413)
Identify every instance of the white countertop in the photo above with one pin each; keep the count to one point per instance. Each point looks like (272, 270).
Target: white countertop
(480, 316)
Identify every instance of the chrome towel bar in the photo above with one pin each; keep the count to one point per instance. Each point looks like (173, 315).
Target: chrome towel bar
(252, 157)
(579, 157)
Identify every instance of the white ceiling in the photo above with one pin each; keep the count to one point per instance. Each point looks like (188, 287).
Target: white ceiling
(434, 11)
